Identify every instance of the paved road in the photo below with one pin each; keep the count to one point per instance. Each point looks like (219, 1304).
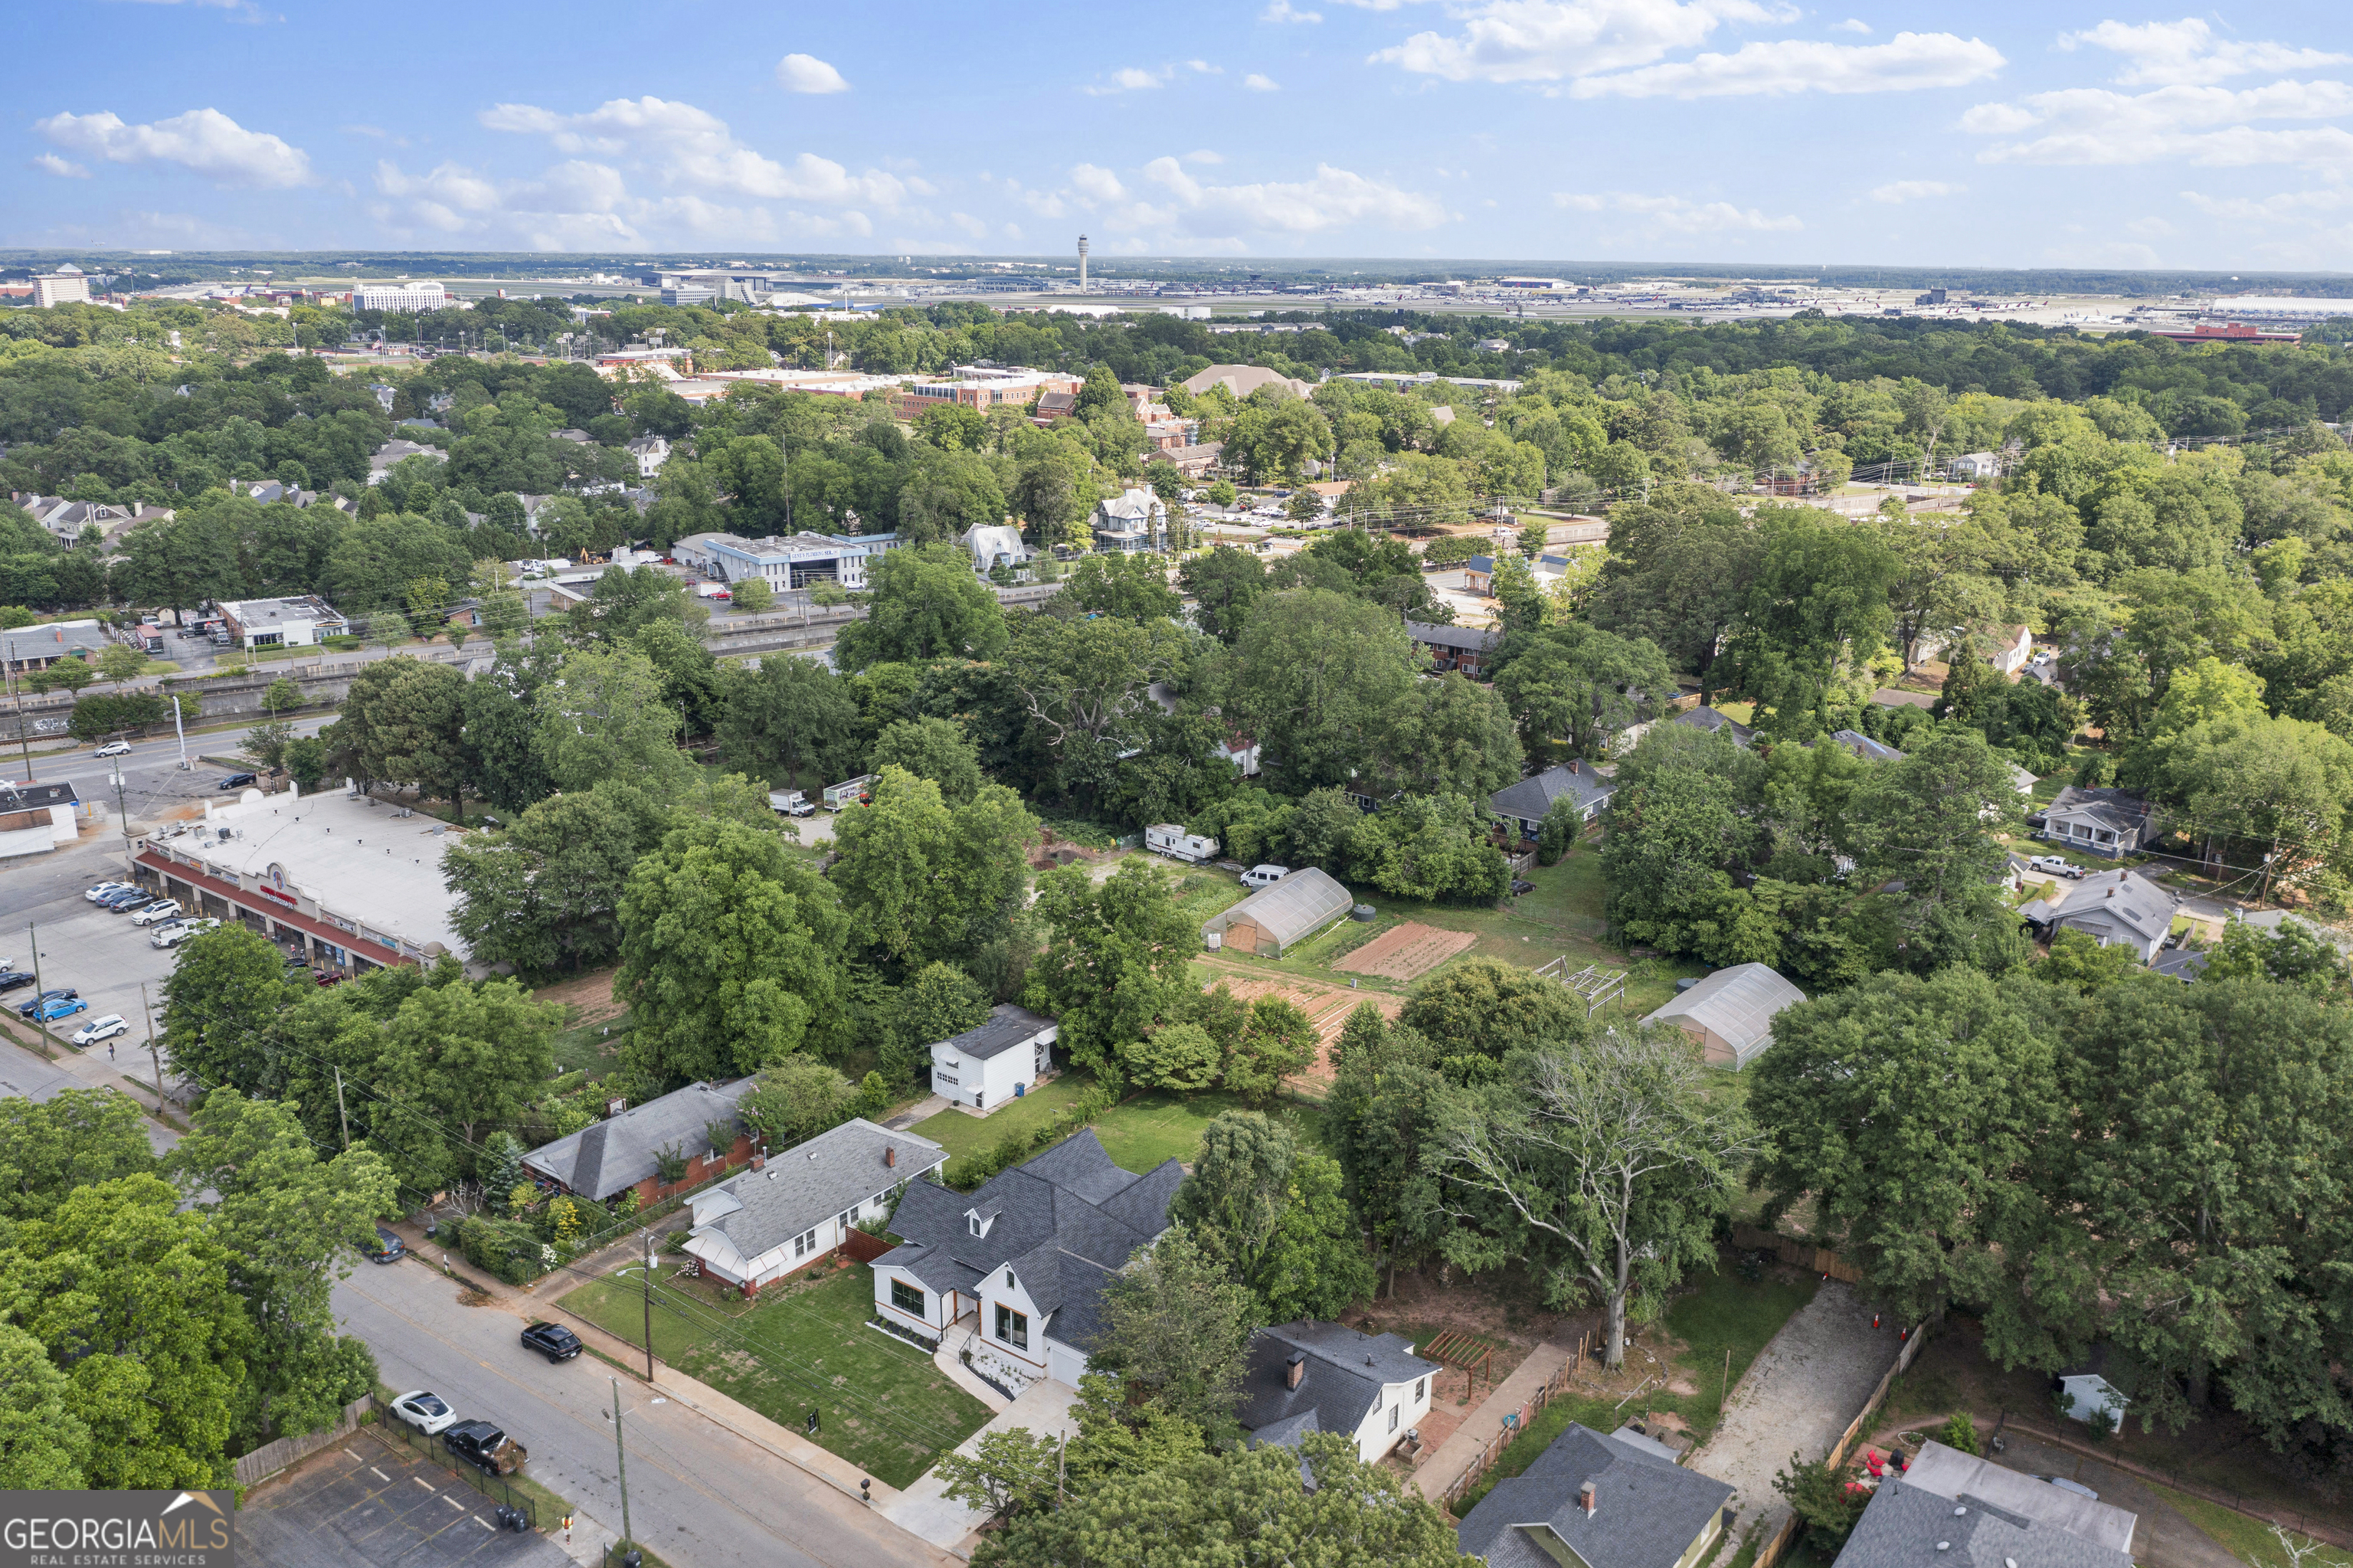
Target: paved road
(699, 1496)
(153, 779)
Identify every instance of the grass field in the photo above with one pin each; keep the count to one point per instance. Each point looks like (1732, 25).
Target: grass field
(591, 1048)
(805, 1344)
(1725, 1314)
(1138, 1134)
(963, 1135)
(2248, 1540)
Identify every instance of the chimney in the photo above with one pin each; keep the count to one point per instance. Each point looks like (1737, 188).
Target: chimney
(1585, 1497)
(1294, 1369)
(2112, 893)
(1572, 766)
(759, 1161)
(891, 1154)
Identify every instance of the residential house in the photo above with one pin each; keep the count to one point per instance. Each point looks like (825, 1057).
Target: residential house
(2013, 647)
(651, 453)
(2112, 822)
(37, 817)
(1862, 746)
(1976, 465)
(303, 621)
(1135, 520)
(791, 1210)
(1192, 462)
(2089, 1390)
(1709, 719)
(1464, 649)
(581, 437)
(2119, 908)
(1529, 802)
(995, 544)
(1479, 576)
(1618, 1501)
(64, 520)
(1053, 406)
(1950, 1506)
(393, 452)
(1238, 748)
(625, 1150)
(999, 1059)
(1308, 1376)
(1280, 916)
(1242, 380)
(1729, 1014)
(1015, 1271)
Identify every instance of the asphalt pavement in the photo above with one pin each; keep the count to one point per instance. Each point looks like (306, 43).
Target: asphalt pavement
(699, 1497)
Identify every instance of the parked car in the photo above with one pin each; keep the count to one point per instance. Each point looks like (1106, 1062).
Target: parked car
(2056, 864)
(113, 749)
(106, 890)
(171, 933)
(553, 1340)
(388, 1247)
(99, 1029)
(63, 1007)
(425, 1411)
(26, 1010)
(1521, 885)
(130, 898)
(480, 1443)
(154, 914)
(238, 782)
(11, 979)
(1264, 875)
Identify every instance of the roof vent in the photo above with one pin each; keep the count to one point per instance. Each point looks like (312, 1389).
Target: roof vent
(1944, 1546)
(1958, 1512)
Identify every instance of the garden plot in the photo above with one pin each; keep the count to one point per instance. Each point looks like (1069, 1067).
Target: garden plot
(1406, 952)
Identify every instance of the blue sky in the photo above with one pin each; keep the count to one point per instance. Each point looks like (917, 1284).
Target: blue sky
(1986, 134)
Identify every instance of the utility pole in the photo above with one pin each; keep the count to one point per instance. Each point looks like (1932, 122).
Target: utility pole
(621, 1462)
(16, 685)
(649, 1283)
(123, 812)
(152, 1054)
(340, 1114)
(40, 1025)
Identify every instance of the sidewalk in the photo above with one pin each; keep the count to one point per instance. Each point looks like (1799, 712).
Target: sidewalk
(923, 1508)
(1454, 1456)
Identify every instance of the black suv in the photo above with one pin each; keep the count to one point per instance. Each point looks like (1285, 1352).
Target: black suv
(480, 1443)
(11, 978)
(553, 1340)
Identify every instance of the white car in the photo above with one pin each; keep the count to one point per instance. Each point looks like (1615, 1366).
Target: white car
(171, 933)
(425, 1411)
(99, 1029)
(107, 890)
(113, 749)
(1264, 875)
(161, 910)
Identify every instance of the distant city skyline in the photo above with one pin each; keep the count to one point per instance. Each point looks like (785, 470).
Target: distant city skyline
(1734, 130)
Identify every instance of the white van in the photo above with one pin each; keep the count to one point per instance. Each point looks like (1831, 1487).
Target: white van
(1264, 875)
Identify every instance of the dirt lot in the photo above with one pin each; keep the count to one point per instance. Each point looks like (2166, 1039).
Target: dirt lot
(591, 997)
(1326, 1006)
(1406, 952)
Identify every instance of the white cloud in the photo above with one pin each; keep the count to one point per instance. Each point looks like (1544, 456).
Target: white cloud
(1131, 79)
(806, 73)
(1282, 11)
(1201, 155)
(1097, 184)
(1549, 40)
(1906, 62)
(1258, 83)
(2160, 54)
(2180, 123)
(238, 10)
(2150, 227)
(581, 205)
(65, 168)
(1851, 25)
(203, 141)
(1914, 190)
(1333, 199)
(682, 144)
(976, 228)
(2287, 206)
(1673, 214)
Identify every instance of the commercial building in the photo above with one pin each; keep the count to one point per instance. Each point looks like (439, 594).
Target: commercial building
(791, 562)
(689, 294)
(978, 389)
(65, 286)
(1241, 380)
(340, 879)
(414, 297)
(303, 622)
(37, 817)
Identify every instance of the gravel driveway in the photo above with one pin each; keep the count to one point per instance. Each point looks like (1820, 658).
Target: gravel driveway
(1799, 1394)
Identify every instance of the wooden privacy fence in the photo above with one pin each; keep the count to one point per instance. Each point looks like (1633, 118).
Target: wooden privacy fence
(2269, 1513)
(1515, 1423)
(860, 1247)
(1771, 1552)
(271, 1457)
(1795, 1253)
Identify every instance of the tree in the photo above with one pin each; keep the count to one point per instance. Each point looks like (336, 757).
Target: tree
(1176, 1325)
(305, 759)
(2278, 788)
(403, 723)
(1607, 1165)
(76, 1139)
(921, 882)
(1916, 1113)
(603, 716)
(478, 1055)
(753, 595)
(934, 749)
(1224, 584)
(1245, 1506)
(265, 744)
(938, 1002)
(1274, 1041)
(1082, 686)
(225, 991)
(1273, 1213)
(1129, 587)
(1816, 613)
(1928, 820)
(1483, 1009)
(44, 1446)
(789, 716)
(119, 661)
(293, 1224)
(65, 674)
(1178, 1056)
(1582, 686)
(545, 894)
(1453, 736)
(796, 1099)
(500, 709)
(1315, 1263)
(1117, 962)
(1382, 1101)
(1824, 1501)
(1431, 847)
(924, 603)
(1321, 680)
(731, 956)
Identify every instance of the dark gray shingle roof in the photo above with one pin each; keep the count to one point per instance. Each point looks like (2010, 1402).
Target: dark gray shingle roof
(605, 1157)
(1005, 1026)
(813, 1182)
(1342, 1377)
(1906, 1521)
(1530, 798)
(1647, 1510)
(1466, 639)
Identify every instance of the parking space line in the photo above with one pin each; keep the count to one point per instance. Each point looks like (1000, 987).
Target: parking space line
(421, 1481)
(379, 1473)
(484, 1523)
(354, 1457)
(453, 1502)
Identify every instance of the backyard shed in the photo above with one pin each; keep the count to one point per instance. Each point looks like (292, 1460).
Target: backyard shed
(1270, 921)
(1730, 1012)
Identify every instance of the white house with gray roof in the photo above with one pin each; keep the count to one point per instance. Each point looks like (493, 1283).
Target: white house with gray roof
(2112, 822)
(1309, 1376)
(1004, 1057)
(1016, 1270)
(2118, 908)
(1952, 1507)
(1620, 1501)
(791, 1209)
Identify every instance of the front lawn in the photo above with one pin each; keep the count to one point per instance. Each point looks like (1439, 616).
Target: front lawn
(1160, 1124)
(805, 1344)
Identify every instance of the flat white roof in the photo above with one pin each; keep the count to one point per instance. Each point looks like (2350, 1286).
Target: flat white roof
(354, 859)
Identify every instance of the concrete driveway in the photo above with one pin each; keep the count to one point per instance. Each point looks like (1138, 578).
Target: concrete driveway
(924, 1508)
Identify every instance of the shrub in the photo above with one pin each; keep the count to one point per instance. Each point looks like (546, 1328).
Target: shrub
(508, 1249)
(1961, 1433)
(1824, 1501)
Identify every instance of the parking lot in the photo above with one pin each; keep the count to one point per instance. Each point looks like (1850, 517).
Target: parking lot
(98, 953)
(367, 1503)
